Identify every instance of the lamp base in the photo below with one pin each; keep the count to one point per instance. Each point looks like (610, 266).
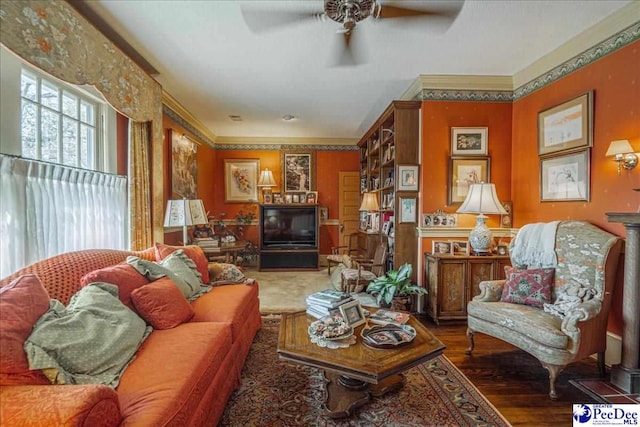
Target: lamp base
(481, 237)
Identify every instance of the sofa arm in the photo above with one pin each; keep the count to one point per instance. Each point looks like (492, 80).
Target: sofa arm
(59, 405)
(490, 291)
(580, 313)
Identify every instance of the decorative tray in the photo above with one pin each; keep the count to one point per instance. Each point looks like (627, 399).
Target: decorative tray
(332, 328)
(387, 336)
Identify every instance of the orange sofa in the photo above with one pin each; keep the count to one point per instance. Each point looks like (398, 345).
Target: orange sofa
(180, 376)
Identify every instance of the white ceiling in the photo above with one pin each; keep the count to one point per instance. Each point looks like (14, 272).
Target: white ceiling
(213, 65)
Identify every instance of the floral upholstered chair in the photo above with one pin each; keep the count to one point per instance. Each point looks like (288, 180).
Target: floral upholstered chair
(564, 320)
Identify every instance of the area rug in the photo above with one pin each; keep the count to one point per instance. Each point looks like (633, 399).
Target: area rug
(277, 393)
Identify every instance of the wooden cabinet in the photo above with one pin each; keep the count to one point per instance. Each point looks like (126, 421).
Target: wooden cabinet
(453, 281)
(392, 141)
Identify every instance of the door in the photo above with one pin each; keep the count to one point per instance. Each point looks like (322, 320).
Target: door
(348, 205)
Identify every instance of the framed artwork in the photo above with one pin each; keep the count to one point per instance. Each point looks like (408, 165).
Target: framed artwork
(502, 249)
(408, 209)
(408, 178)
(464, 171)
(298, 171)
(567, 126)
(469, 141)
(506, 221)
(312, 197)
(440, 247)
(241, 180)
(565, 177)
(324, 213)
(352, 313)
(184, 169)
(459, 247)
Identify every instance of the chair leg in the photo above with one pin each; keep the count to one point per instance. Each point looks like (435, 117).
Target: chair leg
(471, 342)
(553, 370)
(601, 367)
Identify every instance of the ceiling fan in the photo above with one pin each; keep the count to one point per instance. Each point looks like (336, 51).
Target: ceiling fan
(348, 13)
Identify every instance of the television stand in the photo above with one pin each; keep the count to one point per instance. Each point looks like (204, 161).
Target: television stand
(289, 237)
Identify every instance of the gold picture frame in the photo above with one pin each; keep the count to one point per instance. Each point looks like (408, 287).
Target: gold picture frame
(464, 171)
(241, 180)
(567, 126)
(298, 171)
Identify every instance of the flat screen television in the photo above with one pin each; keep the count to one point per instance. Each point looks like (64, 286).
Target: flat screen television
(288, 227)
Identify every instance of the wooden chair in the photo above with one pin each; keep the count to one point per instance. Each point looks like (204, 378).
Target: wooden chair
(364, 271)
(340, 254)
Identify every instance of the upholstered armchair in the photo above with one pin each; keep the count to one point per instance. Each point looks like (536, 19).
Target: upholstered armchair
(573, 324)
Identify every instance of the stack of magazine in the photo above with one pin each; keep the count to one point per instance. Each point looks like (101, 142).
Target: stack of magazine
(385, 317)
(326, 302)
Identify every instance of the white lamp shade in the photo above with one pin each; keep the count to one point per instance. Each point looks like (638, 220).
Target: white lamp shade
(369, 202)
(620, 146)
(266, 179)
(482, 199)
(185, 212)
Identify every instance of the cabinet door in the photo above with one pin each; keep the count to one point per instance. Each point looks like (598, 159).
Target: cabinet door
(478, 271)
(452, 300)
(431, 273)
(500, 275)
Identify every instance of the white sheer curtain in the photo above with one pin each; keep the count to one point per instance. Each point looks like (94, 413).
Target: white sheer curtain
(47, 209)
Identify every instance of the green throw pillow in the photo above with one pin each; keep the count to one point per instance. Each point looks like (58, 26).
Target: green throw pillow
(91, 341)
(177, 267)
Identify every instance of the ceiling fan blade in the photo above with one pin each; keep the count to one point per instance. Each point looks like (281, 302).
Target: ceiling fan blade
(263, 20)
(348, 50)
(442, 10)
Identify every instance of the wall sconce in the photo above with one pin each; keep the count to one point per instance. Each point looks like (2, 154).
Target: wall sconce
(622, 153)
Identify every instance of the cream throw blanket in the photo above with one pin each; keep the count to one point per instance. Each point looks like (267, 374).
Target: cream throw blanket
(534, 246)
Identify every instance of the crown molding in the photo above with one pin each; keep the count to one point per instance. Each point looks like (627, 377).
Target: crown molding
(611, 25)
(184, 118)
(274, 143)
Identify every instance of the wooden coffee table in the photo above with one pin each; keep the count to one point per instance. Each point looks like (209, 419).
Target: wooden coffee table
(354, 374)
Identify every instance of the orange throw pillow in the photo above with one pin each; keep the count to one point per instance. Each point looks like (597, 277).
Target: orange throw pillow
(22, 302)
(123, 275)
(162, 304)
(194, 252)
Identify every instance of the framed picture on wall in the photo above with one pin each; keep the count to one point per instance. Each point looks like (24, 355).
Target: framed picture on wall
(408, 177)
(565, 177)
(241, 180)
(184, 169)
(408, 209)
(298, 171)
(464, 171)
(469, 141)
(567, 126)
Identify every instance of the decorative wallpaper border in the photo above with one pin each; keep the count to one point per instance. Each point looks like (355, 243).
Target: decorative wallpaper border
(609, 45)
(285, 147)
(613, 43)
(187, 125)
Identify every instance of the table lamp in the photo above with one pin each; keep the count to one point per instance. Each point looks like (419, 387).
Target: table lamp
(183, 213)
(369, 203)
(481, 199)
(266, 181)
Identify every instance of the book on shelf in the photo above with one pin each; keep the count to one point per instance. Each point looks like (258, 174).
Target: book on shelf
(384, 317)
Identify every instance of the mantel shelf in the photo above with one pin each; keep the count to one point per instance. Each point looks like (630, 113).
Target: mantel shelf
(437, 232)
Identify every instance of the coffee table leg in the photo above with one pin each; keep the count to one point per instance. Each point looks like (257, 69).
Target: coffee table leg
(343, 395)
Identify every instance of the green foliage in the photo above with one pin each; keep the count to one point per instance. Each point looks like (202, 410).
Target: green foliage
(394, 283)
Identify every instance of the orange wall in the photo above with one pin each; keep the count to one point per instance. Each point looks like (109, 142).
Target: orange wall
(615, 80)
(438, 117)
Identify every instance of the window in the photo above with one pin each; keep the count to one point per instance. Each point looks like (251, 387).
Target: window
(58, 124)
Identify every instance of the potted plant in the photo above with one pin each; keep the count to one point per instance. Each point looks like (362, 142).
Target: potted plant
(394, 289)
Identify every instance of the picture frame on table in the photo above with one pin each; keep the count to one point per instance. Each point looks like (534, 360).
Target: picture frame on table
(459, 247)
(241, 180)
(352, 313)
(464, 171)
(303, 197)
(442, 247)
(288, 198)
(408, 209)
(268, 198)
(277, 198)
(567, 126)
(469, 141)
(409, 177)
(565, 177)
(312, 197)
(502, 249)
(295, 198)
(298, 171)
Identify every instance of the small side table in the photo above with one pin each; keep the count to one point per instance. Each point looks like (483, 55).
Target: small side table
(229, 250)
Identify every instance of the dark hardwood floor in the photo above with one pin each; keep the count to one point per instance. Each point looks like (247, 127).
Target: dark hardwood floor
(512, 380)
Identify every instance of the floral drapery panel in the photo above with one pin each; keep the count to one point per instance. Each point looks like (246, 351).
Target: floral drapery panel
(139, 197)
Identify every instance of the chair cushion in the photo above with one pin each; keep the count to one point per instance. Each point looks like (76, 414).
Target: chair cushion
(352, 274)
(22, 302)
(530, 322)
(529, 287)
(162, 304)
(342, 259)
